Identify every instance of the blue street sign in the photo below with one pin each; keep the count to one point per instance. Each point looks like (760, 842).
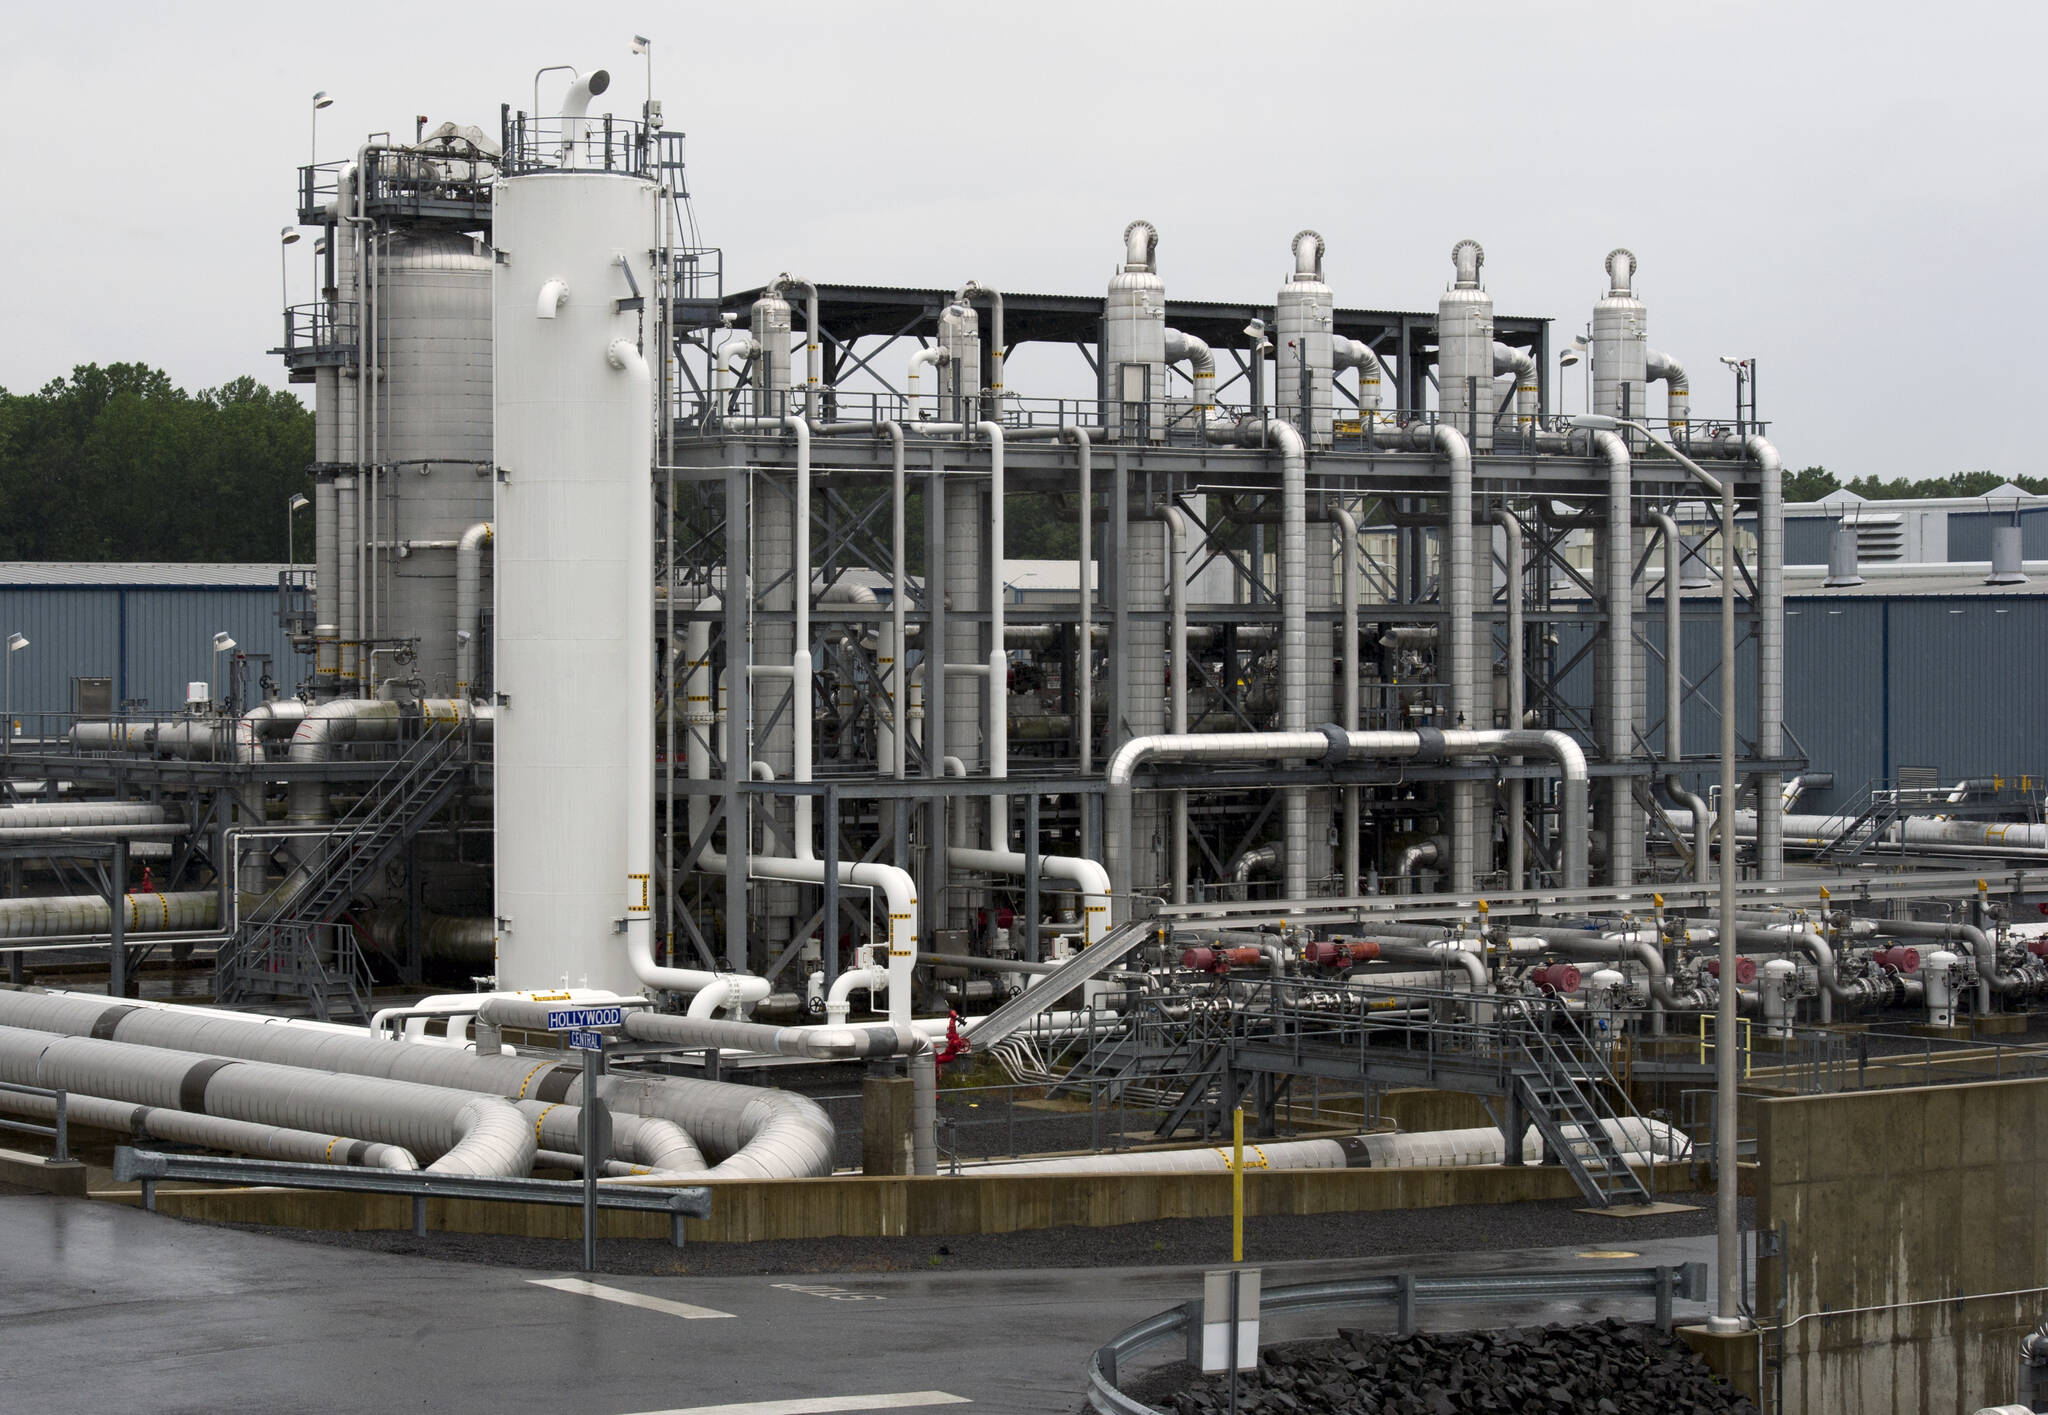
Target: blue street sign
(586, 1041)
(569, 1019)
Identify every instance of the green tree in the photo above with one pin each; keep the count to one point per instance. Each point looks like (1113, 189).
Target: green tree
(117, 463)
(1810, 484)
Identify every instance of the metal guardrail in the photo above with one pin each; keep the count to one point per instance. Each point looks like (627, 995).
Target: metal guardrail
(1407, 1294)
(58, 1131)
(151, 1166)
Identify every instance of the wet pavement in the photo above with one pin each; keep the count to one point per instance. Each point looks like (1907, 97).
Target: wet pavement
(107, 1308)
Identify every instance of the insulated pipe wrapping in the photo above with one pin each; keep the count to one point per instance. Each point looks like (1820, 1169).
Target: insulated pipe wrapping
(1450, 444)
(469, 599)
(214, 1133)
(1621, 663)
(820, 1043)
(752, 1132)
(1088, 878)
(471, 1134)
(1334, 745)
(1678, 407)
(44, 817)
(69, 915)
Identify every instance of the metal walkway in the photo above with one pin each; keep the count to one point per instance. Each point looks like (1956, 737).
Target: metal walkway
(1090, 963)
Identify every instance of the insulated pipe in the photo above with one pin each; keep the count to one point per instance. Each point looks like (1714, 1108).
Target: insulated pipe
(1450, 444)
(1089, 879)
(1331, 747)
(1201, 362)
(934, 356)
(1415, 859)
(1252, 862)
(1507, 359)
(348, 537)
(1807, 940)
(899, 596)
(471, 1134)
(786, 281)
(326, 541)
(41, 816)
(1346, 527)
(818, 1043)
(1294, 618)
(998, 729)
(1447, 956)
(753, 1132)
(1770, 650)
(1518, 789)
(213, 1132)
(868, 980)
(575, 104)
(469, 599)
(1592, 945)
(974, 290)
(1177, 677)
(1621, 663)
(1678, 405)
(68, 915)
(1356, 353)
(1085, 651)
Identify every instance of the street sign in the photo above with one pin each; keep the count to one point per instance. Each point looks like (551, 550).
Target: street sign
(578, 1019)
(586, 1041)
(1230, 1306)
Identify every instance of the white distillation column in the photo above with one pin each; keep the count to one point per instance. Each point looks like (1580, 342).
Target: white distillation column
(960, 374)
(1143, 711)
(1464, 349)
(773, 904)
(1134, 341)
(574, 731)
(967, 562)
(435, 388)
(1302, 317)
(1621, 348)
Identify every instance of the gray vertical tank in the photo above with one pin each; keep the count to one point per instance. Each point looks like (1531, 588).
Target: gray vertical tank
(770, 326)
(435, 356)
(1301, 345)
(1464, 349)
(960, 374)
(1621, 346)
(1134, 341)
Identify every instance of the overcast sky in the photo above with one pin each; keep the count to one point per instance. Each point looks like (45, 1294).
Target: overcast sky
(1850, 192)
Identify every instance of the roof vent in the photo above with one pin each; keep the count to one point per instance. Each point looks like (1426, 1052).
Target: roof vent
(2007, 565)
(1842, 571)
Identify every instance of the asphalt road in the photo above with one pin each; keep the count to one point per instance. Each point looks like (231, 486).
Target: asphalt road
(109, 1309)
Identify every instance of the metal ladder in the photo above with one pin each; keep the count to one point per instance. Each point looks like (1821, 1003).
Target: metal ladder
(276, 950)
(1564, 1095)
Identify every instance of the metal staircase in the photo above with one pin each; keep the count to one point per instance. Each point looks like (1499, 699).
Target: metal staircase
(1563, 1091)
(1877, 808)
(294, 944)
(1090, 963)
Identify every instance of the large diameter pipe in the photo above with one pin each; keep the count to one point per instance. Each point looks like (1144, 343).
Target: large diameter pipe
(1331, 747)
(1518, 789)
(752, 1132)
(1090, 879)
(471, 1134)
(469, 600)
(60, 916)
(817, 1043)
(1084, 652)
(213, 1132)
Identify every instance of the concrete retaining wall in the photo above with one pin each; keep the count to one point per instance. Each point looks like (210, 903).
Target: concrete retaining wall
(1906, 1213)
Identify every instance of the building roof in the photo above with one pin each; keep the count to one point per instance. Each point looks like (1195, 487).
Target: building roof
(16, 574)
(1955, 580)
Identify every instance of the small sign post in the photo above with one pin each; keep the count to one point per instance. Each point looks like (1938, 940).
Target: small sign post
(1230, 1324)
(584, 1026)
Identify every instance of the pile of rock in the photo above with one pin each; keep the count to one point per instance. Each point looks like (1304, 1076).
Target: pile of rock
(1602, 1368)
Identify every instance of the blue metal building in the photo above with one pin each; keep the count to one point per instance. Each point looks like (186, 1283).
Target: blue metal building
(135, 635)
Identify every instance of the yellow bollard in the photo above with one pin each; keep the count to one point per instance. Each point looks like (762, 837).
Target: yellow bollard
(1237, 1185)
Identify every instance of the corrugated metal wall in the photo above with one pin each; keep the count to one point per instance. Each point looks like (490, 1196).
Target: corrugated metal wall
(150, 639)
(1969, 533)
(1957, 683)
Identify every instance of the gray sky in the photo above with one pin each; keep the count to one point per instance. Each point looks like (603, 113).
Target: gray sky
(1850, 192)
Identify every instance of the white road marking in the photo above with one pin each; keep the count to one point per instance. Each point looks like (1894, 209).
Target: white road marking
(627, 1298)
(824, 1404)
(836, 1294)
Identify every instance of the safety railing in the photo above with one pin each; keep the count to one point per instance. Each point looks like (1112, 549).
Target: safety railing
(57, 1132)
(151, 1167)
(319, 334)
(1407, 1294)
(1169, 421)
(598, 143)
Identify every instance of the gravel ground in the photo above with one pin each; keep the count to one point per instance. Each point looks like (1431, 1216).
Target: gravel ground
(1165, 1243)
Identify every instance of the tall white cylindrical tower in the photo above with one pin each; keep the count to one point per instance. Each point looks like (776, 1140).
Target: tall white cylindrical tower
(1134, 341)
(1302, 316)
(1464, 349)
(960, 374)
(1621, 346)
(769, 322)
(574, 735)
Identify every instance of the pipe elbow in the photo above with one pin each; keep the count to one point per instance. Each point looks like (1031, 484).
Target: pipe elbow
(1621, 269)
(1467, 257)
(1308, 255)
(552, 296)
(1663, 366)
(1141, 245)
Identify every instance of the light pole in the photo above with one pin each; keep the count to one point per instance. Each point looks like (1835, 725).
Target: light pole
(15, 644)
(221, 644)
(1727, 1316)
(292, 508)
(643, 45)
(1741, 367)
(1565, 359)
(287, 236)
(320, 101)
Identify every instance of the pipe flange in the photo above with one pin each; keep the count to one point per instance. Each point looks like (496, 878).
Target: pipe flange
(1429, 745)
(1340, 745)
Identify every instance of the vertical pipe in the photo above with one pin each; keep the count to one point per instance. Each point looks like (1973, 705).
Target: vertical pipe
(1518, 789)
(1620, 663)
(1347, 540)
(1770, 654)
(1450, 444)
(899, 592)
(998, 701)
(1294, 665)
(1727, 1307)
(1084, 711)
(1177, 673)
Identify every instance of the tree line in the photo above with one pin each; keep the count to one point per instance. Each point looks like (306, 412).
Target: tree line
(117, 463)
(1812, 483)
